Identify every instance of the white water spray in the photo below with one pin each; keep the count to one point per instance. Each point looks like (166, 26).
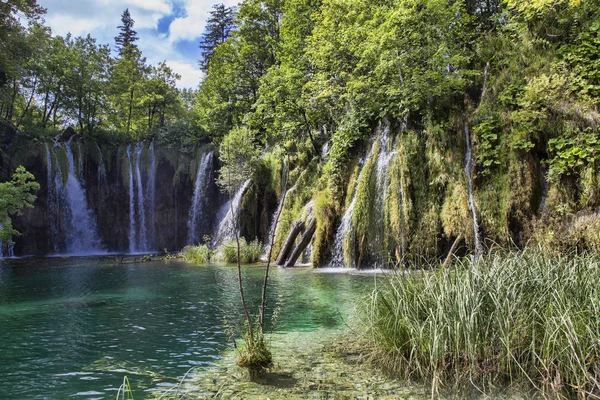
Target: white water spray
(199, 200)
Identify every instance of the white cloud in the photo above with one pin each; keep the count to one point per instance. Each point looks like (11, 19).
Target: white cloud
(192, 26)
(190, 74)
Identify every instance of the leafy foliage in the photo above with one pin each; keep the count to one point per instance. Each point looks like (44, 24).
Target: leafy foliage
(15, 194)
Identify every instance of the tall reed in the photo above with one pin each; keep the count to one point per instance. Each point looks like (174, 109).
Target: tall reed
(517, 318)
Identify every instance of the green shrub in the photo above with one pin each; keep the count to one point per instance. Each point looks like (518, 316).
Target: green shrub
(200, 254)
(249, 252)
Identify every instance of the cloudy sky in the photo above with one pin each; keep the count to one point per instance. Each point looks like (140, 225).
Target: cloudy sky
(168, 29)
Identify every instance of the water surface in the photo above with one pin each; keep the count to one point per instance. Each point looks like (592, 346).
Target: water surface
(76, 326)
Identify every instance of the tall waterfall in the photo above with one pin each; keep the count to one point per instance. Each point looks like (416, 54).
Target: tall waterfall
(229, 214)
(274, 221)
(199, 201)
(132, 226)
(468, 168)
(151, 194)
(81, 230)
(377, 246)
(138, 229)
(345, 232)
(141, 204)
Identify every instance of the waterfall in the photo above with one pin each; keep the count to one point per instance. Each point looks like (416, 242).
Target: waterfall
(344, 234)
(81, 230)
(468, 168)
(151, 193)
(229, 213)
(199, 201)
(344, 231)
(132, 231)
(381, 186)
(141, 204)
(274, 221)
(138, 230)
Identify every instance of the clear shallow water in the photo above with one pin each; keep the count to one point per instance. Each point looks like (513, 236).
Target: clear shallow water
(75, 327)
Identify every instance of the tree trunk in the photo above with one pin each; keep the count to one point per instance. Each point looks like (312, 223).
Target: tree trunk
(362, 251)
(304, 241)
(28, 103)
(297, 227)
(131, 93)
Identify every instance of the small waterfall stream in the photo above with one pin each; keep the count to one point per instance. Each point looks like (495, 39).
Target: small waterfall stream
(142, 244)
(151, 194)
(274, 221)
(468, 168)
(229, 213)
(81, 232)
(377, 246)
(199, 200)
(138, 228)
(132, 230)
(344, 233)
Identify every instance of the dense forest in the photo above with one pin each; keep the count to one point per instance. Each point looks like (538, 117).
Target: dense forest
(406, 123)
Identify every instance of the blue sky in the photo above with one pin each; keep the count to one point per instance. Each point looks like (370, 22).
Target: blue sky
(168, 29)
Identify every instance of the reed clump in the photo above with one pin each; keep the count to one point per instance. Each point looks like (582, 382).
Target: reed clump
(523, 318)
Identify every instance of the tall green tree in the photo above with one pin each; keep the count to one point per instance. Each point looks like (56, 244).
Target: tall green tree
(160, 96)
(125, 41)
(127, 79)
(219, 26)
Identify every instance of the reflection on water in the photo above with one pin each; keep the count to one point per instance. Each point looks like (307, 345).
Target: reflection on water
(76, 326)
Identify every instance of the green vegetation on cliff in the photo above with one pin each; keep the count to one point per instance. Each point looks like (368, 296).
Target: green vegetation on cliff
(519, 76)
(315, 80)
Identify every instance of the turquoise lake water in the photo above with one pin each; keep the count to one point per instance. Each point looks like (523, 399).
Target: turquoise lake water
(77, 326)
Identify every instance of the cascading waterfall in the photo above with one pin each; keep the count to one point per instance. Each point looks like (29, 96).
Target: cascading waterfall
(81, 231)
(132, 230)
(468, 168)
(381, 187)
(141, 204)
(151, 194)
(344, 231)
(229, 213)
(346, 228)
(138, 231)
(199, 201)
(274, 221)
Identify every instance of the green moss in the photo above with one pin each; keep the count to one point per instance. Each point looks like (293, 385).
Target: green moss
(62, 162)
(325, 215)
(365, 194)
(456, 216)
(201, 254)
